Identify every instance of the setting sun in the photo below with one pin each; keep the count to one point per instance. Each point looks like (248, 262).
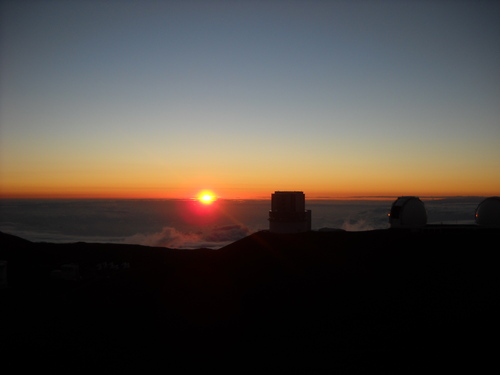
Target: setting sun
(206, 197)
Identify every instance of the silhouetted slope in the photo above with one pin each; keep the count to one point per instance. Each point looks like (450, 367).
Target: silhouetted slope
(311, 301)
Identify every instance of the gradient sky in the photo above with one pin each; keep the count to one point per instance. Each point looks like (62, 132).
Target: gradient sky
(166, 98)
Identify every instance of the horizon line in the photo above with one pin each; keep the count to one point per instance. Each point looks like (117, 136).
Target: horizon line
(259, 198)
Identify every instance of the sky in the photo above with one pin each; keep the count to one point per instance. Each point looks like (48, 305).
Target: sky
(162, 99)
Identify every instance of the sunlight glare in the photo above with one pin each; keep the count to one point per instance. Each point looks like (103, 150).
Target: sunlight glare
(206, 197)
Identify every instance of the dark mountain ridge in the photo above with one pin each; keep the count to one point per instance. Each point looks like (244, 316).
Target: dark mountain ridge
(390, 299)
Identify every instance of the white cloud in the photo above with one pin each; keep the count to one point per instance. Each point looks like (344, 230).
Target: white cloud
(171, 237)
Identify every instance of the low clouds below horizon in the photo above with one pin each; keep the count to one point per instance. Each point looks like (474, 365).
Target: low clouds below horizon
(167, 223)
(173, 238)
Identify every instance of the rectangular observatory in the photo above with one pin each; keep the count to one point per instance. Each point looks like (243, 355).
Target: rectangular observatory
(288, 213)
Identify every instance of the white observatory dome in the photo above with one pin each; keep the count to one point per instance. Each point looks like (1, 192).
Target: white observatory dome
(407, 212)
(488, 212)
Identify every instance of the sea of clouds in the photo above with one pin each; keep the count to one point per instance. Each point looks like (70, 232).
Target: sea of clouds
(187, 224)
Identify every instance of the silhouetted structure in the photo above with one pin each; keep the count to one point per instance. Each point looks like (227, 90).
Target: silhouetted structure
(288, 213)
(488, 212)
(407, 212)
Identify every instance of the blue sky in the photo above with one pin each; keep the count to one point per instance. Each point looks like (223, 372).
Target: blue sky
(331, 97)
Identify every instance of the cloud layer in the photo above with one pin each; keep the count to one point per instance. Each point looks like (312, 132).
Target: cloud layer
(175, 224)
(173, 238)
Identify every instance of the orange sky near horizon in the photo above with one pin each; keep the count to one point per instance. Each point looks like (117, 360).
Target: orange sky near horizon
(75, 174)
(390, 186)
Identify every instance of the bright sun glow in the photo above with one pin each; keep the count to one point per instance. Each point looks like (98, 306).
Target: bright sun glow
(206, 197)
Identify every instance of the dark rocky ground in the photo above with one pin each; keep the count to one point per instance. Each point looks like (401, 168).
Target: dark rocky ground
(306, 303)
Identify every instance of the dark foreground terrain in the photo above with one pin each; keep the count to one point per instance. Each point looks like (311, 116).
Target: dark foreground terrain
(269, 303)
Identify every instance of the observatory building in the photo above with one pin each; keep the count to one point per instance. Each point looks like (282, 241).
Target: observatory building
(408, 212)
(288, 213)
(488, 212)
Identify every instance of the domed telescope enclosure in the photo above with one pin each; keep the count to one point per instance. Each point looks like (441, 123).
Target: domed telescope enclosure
(488, 212)
(408, 212)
